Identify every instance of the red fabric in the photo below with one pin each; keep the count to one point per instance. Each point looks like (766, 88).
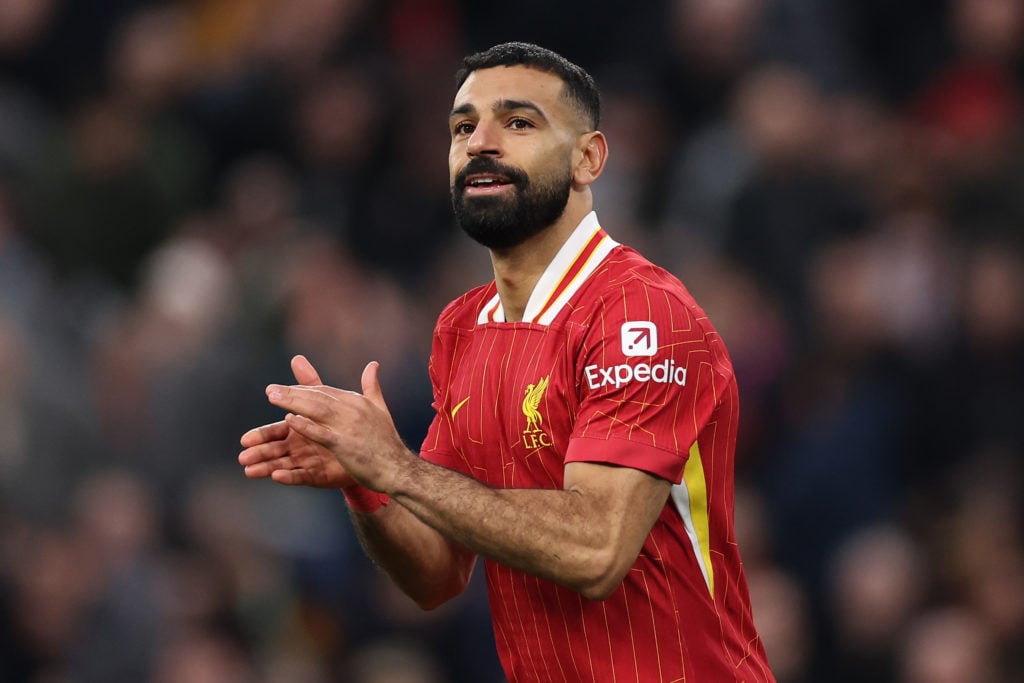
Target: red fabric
(662, 623)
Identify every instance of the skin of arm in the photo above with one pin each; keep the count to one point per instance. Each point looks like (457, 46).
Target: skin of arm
(585, 536)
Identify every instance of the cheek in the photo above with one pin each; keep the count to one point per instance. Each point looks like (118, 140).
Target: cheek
(552, 163)
(453, 165)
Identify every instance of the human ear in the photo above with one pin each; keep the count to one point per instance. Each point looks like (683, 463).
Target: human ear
(592, 149)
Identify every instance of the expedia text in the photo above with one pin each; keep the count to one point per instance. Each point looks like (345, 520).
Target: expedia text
(665, 372)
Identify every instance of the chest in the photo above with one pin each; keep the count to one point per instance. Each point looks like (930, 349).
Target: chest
(512, 402)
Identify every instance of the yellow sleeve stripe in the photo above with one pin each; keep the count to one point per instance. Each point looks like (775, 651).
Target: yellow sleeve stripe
(691, 500)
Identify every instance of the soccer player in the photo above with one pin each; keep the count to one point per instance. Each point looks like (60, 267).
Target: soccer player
(585, 425)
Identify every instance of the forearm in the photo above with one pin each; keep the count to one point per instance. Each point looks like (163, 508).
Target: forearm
(423, 564)
(585, 536)
(551, 533)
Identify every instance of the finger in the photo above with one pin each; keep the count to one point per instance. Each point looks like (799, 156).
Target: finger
(291, 477)
(371, 386)
(267, 452)
(260, 470)
(309, 401)
(264, 434)
(263, 460)
(311, 429)
(304, 371)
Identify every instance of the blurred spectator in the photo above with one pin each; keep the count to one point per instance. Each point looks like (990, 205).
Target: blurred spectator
(983, 563)
(895, 47)
(149, 61)
(633, 187)
(21, 24)
(97, 206)
(784, 622)
(790, 205)
(977, 389)
(975, 99)
(202, 657)
(115, 524)
(339, 145)
(712, 44)
(877, 580)
(948, 646)
(395, 662)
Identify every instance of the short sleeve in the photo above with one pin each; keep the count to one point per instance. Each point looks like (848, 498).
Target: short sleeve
(438, 446)
(647, 373)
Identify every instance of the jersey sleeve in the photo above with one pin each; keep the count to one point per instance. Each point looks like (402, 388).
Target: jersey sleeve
(649, 373)
(438, 446)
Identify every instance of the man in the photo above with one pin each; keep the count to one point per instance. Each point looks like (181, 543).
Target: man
(585, 426)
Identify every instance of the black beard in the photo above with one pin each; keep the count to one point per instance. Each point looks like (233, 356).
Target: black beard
(504, 222)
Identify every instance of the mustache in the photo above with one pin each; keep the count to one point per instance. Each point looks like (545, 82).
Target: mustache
(488, 165)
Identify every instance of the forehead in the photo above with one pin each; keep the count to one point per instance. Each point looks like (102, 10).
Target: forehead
(485, 87)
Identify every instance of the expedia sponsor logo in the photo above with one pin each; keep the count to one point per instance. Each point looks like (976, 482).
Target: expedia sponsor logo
(639, 338)
(665, 372)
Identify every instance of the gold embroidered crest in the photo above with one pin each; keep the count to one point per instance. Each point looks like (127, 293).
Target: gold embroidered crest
(534, 435)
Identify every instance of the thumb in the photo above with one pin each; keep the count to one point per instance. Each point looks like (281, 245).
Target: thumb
(371, 386)
(304, 372)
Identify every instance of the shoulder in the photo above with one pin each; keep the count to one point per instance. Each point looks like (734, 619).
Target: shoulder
(634, 308)
(628, 286)
(463, 312)
(626, 265)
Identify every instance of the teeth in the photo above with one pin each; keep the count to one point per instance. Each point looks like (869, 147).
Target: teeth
(479, 182)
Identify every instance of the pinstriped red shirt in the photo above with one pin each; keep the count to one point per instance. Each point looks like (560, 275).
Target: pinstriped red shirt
(614, 362)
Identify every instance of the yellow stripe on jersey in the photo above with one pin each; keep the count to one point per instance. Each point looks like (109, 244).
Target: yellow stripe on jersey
(697, 488)
(690, 499)
(558, 298)
(577, 259)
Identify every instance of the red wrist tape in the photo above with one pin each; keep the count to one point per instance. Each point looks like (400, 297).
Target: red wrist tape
(362, 499)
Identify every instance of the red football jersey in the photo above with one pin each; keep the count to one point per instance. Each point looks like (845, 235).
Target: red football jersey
(613, 363)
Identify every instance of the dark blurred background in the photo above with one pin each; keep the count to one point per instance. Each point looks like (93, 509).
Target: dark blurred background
(193, 191)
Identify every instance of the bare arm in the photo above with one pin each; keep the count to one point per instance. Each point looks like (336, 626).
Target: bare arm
(585, 536)
(424, 564)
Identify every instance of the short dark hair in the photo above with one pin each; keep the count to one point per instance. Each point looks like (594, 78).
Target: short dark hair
(579, 88)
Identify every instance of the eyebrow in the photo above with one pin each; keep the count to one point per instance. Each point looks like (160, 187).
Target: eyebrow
(504, 105)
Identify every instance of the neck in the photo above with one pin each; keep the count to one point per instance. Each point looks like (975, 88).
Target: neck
(517, 270)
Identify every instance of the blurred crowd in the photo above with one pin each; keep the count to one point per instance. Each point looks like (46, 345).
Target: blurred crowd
(193, 191)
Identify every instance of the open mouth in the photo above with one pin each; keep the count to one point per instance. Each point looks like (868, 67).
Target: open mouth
(486, 183)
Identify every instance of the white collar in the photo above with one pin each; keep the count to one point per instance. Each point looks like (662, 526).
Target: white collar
(579, 256)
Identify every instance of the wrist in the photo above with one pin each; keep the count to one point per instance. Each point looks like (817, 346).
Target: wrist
(362, 499)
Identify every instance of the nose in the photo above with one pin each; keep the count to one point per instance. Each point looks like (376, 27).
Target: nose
(484, 140)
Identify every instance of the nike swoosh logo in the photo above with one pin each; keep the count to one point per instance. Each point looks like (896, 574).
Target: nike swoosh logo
(459, 405)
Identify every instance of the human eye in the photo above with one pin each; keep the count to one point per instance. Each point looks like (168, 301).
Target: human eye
(520, 123)
(462, 128)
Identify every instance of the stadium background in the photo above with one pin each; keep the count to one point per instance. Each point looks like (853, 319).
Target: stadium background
(191, 192)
